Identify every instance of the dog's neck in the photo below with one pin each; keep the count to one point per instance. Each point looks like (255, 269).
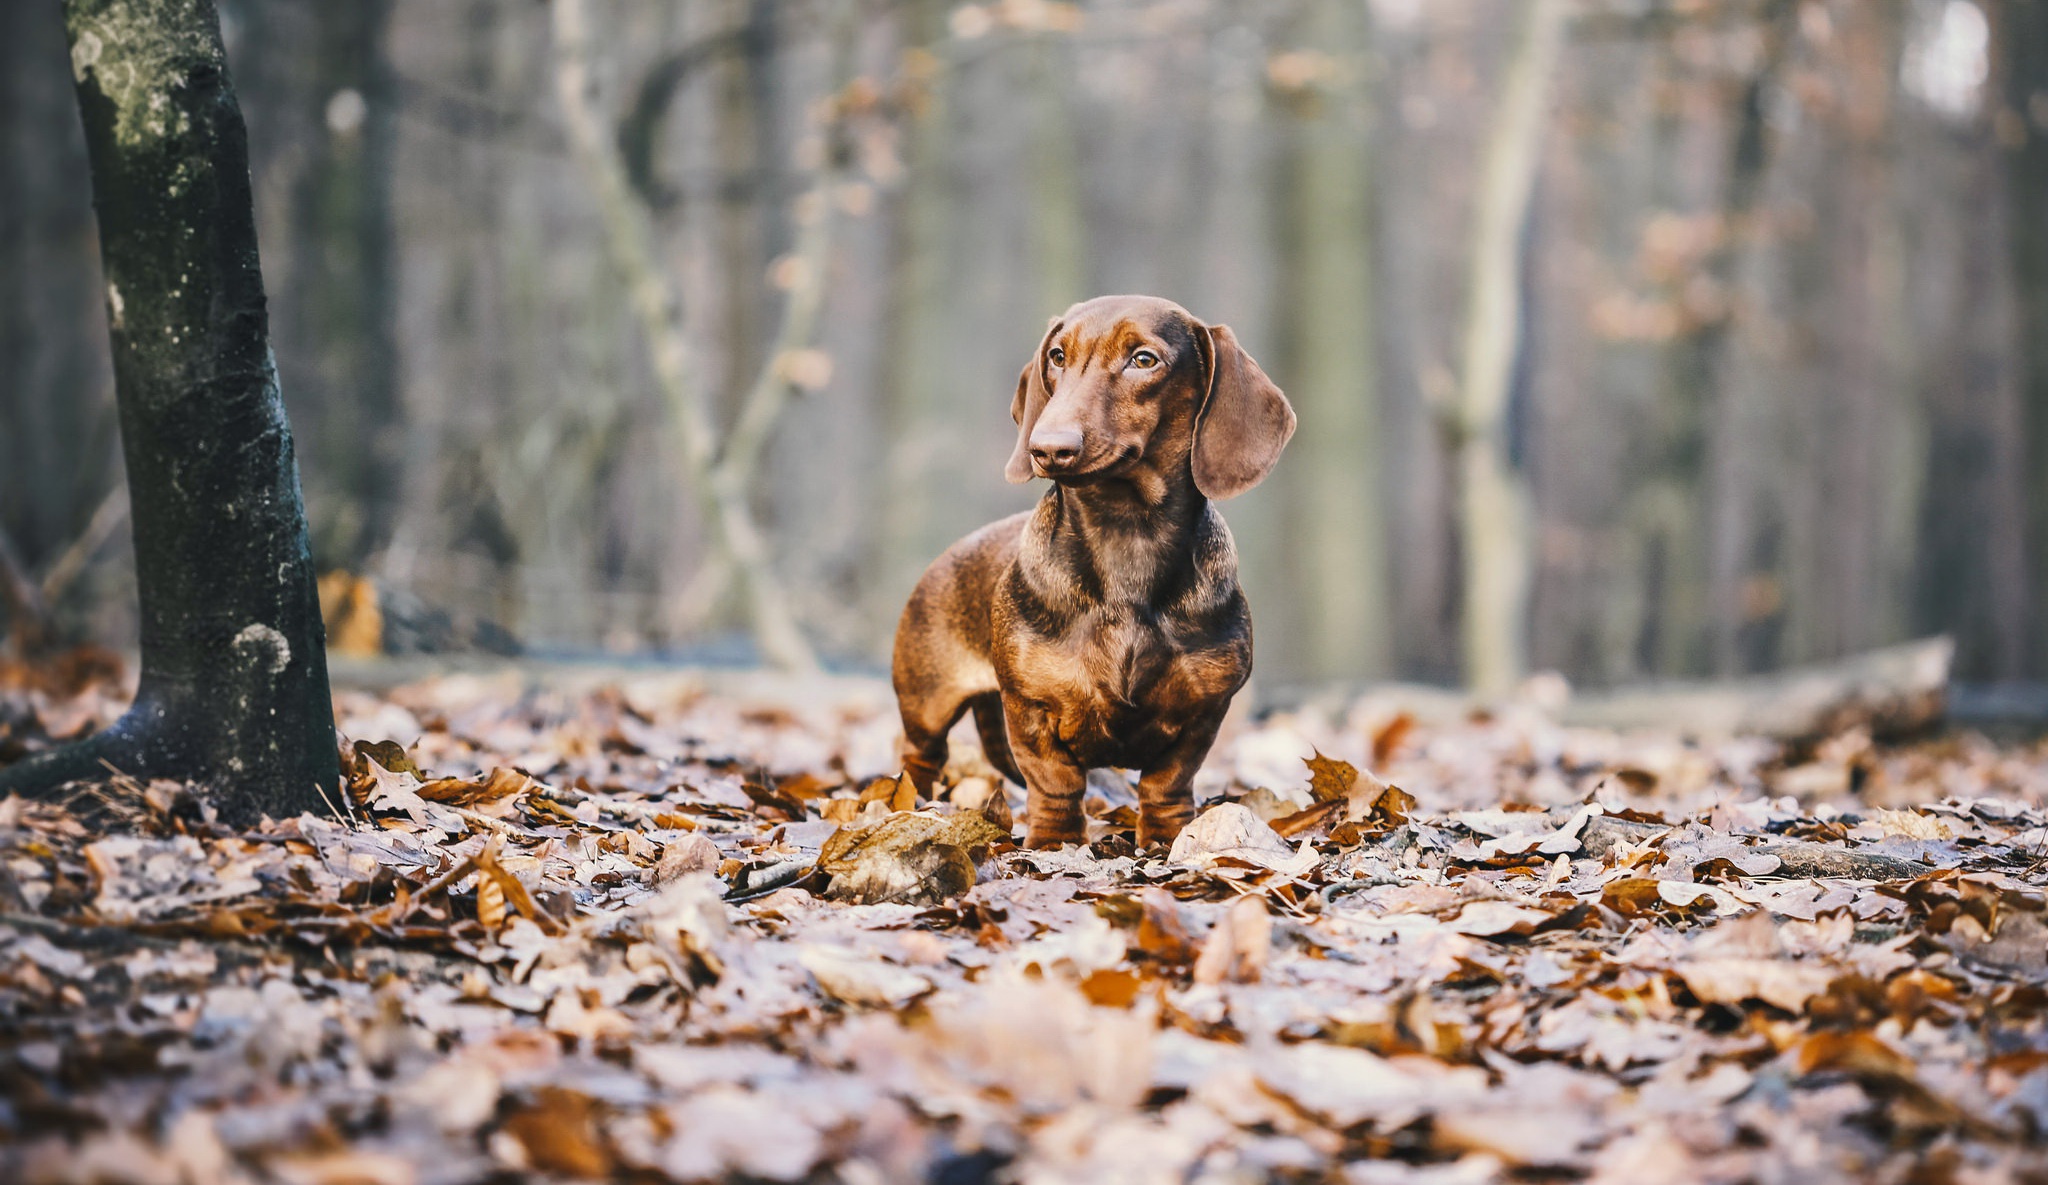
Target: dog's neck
(1130, 541)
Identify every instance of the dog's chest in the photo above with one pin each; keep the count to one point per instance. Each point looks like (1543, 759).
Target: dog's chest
(1124, 658)
(1117, 686)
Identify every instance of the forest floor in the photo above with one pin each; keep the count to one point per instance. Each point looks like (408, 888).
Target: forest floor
(678, 929)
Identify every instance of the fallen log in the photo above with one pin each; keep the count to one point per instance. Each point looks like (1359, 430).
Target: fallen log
(1892, 692)
(1795, 858)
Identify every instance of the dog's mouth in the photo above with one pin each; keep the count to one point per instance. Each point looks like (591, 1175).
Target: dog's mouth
(1101, 467)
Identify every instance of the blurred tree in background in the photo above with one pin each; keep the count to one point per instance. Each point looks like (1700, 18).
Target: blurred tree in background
(1767, 359)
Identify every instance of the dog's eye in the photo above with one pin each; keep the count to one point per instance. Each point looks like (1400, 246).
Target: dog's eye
(1144, 360)
(1056, 356)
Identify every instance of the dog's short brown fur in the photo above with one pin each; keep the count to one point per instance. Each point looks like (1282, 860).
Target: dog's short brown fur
(1104, 628)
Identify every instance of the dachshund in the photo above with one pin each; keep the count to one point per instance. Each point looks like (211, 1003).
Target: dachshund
(1105, 627)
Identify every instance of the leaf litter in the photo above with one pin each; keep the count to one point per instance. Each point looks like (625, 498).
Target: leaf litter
(665, 930)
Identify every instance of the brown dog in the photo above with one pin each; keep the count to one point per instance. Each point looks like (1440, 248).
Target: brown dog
(1105, 627)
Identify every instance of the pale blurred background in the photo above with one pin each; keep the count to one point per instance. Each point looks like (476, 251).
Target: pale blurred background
(1667, 338)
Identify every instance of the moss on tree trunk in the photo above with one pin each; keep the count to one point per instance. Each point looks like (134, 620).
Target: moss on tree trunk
(234, 670)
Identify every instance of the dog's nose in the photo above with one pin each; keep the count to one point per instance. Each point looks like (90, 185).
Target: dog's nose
(1055, 448)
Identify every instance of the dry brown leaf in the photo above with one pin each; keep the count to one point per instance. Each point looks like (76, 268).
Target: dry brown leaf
(1111, 987)
(898, 793)
(1060, 1012)
(692, 853)
(1391, 807)
(559, 1131)
(1237, 949)
(806, 786)
(349, 1166)
(515, 894)
(1329, 778)
(1313, 819)
(1781, 983)
(911, 857)
(1229, 831)
(1162, 936)
(1487, 919)
(853, 978)
(1387, 738)
(1858, 1052)
(490, 902)
(2020, 942)
(996, 809)
(1637, 896)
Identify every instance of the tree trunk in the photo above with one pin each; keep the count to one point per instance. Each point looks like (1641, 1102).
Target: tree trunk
(1724, 515)
(920, 401)
(343, 278)
(234, 666)
(1333, 476)
(1494, 511)
(2020, 38)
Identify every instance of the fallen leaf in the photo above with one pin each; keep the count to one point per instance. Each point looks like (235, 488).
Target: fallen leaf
(1548, 1135)
(996, 809)
(1391, 807)
(1636, 896)
(2019, 942)
(911, 857)
(1228, 830)
(1111, 987)
(490, 903)
(1388, 737)
(853, 978)
(1778, 982)
(1237, 949)
(1315, 817)
(1857, 1052)
(898, 793)
(1329, 779)
(344, 1167)
(515, 894)
(558, 1130)
(1161, 934)
(1487, 919)
(692, 853)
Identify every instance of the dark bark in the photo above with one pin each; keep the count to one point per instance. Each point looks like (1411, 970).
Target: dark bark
(234, 673)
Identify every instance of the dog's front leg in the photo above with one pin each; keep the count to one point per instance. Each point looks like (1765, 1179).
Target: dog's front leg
(1055, 782)
(1166, 789)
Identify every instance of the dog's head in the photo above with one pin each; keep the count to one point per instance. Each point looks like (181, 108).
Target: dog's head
(1128, 383)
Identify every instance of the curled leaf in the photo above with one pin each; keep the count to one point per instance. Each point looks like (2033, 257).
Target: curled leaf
(910, 857)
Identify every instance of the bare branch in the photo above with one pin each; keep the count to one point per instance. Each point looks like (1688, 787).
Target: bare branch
(630, 241)
(107, 518)
(28, 620)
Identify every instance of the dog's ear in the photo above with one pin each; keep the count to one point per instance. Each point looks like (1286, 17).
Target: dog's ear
(1243, 423)
(1029, 401)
